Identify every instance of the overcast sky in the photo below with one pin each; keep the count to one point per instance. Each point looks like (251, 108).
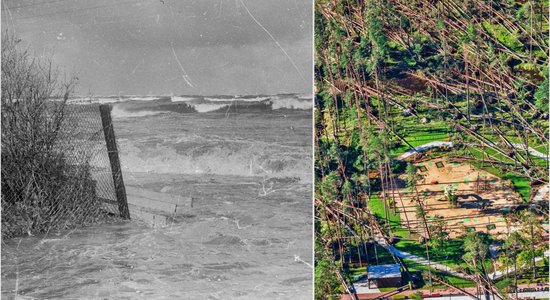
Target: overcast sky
(171, 46)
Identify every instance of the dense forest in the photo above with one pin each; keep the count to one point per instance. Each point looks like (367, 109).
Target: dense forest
(392, 76)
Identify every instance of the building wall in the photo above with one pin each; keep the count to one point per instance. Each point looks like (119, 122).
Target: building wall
(387, 282)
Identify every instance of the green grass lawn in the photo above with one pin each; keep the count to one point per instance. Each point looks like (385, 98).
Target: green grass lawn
(521, 185)
(419, 268)
(425, 133)
(376, 206)
(419, 134)
(541, 148)
(450, 256)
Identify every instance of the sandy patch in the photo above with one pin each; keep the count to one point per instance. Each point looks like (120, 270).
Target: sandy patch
(482, 198)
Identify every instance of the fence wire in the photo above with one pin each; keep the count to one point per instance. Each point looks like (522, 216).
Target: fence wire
(61, 186)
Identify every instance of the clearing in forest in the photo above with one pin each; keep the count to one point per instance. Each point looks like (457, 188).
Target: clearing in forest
(481, 198)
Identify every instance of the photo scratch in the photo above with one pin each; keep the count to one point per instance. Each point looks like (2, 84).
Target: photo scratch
(274, 40)
(184, 74)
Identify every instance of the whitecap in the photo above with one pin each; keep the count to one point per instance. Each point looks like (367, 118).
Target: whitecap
(208, 107)
(291, 103)
(119, 113)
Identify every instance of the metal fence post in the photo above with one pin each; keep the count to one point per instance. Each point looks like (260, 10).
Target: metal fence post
(110, 140)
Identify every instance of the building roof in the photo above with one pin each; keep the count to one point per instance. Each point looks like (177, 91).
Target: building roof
(384, 271)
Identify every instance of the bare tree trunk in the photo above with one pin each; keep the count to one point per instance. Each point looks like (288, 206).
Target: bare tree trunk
(533, 250)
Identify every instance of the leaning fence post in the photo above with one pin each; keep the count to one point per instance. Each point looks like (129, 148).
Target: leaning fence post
(105, 111)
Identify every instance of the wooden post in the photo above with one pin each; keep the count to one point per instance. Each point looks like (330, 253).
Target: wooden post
(110, 140)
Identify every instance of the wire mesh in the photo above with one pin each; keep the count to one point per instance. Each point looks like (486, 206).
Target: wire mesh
(66, 184)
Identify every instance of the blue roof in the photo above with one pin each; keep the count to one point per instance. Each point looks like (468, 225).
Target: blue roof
(384, 271)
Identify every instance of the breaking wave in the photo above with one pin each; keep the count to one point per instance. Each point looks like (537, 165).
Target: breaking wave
(181, 99)
(118, 113)
(220, 157)
(138, 98)
(208, 107)
(292, 103)
(136, 106)
(241, 99)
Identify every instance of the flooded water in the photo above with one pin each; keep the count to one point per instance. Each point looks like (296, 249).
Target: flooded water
(247, 236)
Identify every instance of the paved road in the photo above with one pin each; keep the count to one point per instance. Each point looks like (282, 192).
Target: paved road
(424, 147)
(417, 259)
(531, 151)
(423, 261)
(439, 144)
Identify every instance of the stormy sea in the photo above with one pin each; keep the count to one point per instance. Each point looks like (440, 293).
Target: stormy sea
(246, 163)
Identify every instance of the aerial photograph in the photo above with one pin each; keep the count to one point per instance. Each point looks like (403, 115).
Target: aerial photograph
(157, 149)
(431, 149)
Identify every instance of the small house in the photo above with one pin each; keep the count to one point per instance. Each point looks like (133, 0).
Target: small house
(384, 276)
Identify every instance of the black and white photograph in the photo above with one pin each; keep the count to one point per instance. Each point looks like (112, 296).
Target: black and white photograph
(288, 149)
(157, 149)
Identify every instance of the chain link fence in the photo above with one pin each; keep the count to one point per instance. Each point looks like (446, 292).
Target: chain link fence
(63, 185)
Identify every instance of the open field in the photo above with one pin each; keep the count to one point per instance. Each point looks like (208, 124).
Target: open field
(482, 198)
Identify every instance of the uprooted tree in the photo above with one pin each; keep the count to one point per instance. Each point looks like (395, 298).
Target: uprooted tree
(391, 74)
